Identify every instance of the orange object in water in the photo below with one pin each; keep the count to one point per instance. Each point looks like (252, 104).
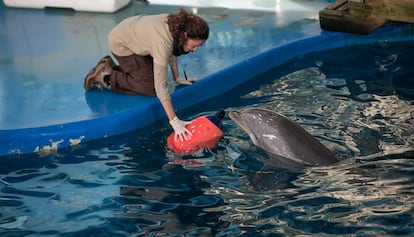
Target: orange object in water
(205, 134)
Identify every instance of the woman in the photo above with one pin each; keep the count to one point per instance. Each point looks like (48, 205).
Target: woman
(144, 46)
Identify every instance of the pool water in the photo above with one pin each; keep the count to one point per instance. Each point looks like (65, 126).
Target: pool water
(357, 100)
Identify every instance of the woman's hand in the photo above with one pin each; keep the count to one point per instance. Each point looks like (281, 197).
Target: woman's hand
(183, 81)
(181, 132)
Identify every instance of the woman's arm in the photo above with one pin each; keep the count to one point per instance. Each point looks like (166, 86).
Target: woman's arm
(161, 89)
(174, 67)
(168, 108)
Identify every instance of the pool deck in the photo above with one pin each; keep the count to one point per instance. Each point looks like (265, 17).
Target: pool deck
(45, 55)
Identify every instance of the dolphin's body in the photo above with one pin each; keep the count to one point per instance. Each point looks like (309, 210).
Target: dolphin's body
(287, 142)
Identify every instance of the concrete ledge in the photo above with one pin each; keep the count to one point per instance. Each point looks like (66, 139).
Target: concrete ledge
(364, 16)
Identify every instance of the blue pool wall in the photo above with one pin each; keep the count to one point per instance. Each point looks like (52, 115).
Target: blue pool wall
(149, 110)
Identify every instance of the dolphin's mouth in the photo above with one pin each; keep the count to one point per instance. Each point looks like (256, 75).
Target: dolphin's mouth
(236, 116)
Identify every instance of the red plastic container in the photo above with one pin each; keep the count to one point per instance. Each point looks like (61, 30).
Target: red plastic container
(205, 134)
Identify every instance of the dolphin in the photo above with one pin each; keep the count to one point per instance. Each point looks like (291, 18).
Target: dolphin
(288, 143)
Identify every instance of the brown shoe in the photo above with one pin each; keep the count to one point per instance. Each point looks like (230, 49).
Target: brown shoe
(95, 78)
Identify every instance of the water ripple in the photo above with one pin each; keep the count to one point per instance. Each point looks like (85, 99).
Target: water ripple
(363, 112)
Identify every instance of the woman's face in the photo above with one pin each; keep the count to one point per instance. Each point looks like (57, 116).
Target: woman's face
(191, 45)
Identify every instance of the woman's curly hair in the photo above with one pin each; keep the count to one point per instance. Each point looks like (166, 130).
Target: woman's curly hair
(185, 22)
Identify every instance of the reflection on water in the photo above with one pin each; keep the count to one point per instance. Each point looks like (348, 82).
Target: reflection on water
(359, 107)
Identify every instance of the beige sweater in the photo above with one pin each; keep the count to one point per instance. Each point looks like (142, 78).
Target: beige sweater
(146, 35)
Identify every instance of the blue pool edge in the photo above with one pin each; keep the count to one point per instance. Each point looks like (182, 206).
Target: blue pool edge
(50, 138)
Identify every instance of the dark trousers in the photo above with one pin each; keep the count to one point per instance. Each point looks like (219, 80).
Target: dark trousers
(134, 75)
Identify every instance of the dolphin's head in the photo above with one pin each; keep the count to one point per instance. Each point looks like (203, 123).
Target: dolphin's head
(242, 119)
(282, 137)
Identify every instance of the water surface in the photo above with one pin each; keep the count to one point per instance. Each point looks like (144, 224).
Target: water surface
(358, 101)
